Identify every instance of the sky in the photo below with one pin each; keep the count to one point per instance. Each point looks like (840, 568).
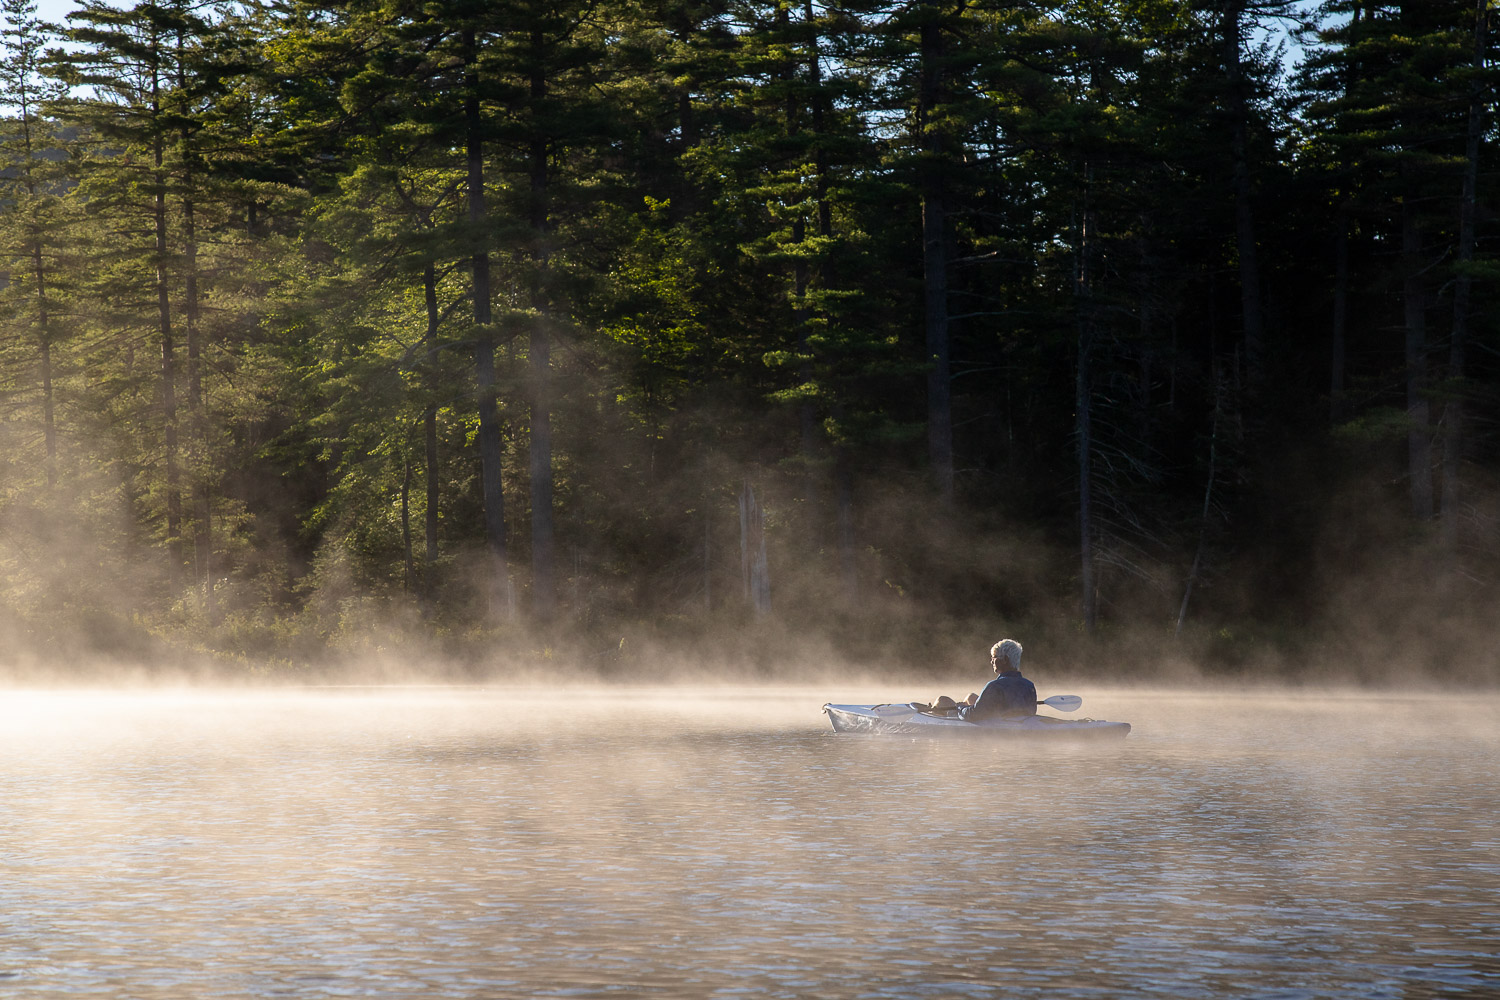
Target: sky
(54, 10)
(57, 11)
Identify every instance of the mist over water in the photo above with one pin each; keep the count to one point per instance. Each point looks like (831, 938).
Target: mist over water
(717, 842)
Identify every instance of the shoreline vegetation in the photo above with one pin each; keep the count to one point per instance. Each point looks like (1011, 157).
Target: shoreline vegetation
(629, 341)
(754, 652)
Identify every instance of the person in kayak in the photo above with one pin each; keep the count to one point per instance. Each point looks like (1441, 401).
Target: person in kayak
(1009, 695)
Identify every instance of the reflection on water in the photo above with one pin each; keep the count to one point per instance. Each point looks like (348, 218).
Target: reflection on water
(490, 843)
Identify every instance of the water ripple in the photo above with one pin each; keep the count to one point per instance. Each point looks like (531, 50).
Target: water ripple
(447, 845)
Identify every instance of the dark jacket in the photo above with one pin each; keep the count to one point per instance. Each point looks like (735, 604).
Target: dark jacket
(1008, 696)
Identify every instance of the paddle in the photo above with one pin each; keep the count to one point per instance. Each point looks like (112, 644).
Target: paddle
(1061, 702)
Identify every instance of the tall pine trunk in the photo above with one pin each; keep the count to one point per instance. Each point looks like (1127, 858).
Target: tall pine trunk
(1244, 219)
(501, 595)
(843, 486)
(49, 418)
(1418, 435)
(1208, 501)
(1339, 349)
(801, 276)
(807, 412)
(1083, 413)
(165, 333)
(844, 526)
(935, 258)
(1339, 352)
(35, 237)
(543, 598)
(408, 564)
(429, 428)
(754, 567)
(1453, 418)
(199, 485)
(1083, 430)
(44, 348)
(203, 537)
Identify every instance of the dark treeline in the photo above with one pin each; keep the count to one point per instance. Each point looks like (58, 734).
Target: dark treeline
(1136, 328)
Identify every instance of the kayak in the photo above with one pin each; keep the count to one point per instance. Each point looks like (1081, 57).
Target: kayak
(912, 719)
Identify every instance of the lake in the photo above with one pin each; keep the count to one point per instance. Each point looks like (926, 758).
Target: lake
(492, 843)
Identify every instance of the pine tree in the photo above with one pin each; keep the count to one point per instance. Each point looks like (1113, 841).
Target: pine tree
(166, 180)
(32, 189)
(1393, 89)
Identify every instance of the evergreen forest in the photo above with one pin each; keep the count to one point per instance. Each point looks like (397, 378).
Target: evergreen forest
(602, 335)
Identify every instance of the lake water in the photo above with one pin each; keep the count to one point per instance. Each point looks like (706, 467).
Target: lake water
(486, 843)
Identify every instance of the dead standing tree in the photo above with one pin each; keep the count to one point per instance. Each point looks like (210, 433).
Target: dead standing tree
(754, 570)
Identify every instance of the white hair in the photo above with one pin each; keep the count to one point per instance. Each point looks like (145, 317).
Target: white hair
(1010, 649)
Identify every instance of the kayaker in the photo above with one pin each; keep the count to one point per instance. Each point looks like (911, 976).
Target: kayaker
(1009, 695)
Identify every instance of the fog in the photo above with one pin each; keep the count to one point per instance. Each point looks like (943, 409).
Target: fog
(1335, 585)
(1350, 599)
(693, 841)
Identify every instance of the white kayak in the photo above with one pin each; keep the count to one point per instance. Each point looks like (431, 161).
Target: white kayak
(915, 719)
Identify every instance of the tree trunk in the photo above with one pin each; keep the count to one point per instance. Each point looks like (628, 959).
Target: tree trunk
(203, 538)
(35, 236)
(754, 569)
(1338, 359)
(429, 428)
(802, 275)
(1338, 353)
(684, 26)
(1208, 497)
(1083, 390)
(1244, 221)
(190, 312)
(1083, 429)
(44, 340)
(935, 260)
(199, 486)
(168, 348)
(1419, 433)
(801, 315)
(408, 565)
(807, 414)
(502, 596)
(819, 124)
(1453, 418)
(848, 561)
(543, 598)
